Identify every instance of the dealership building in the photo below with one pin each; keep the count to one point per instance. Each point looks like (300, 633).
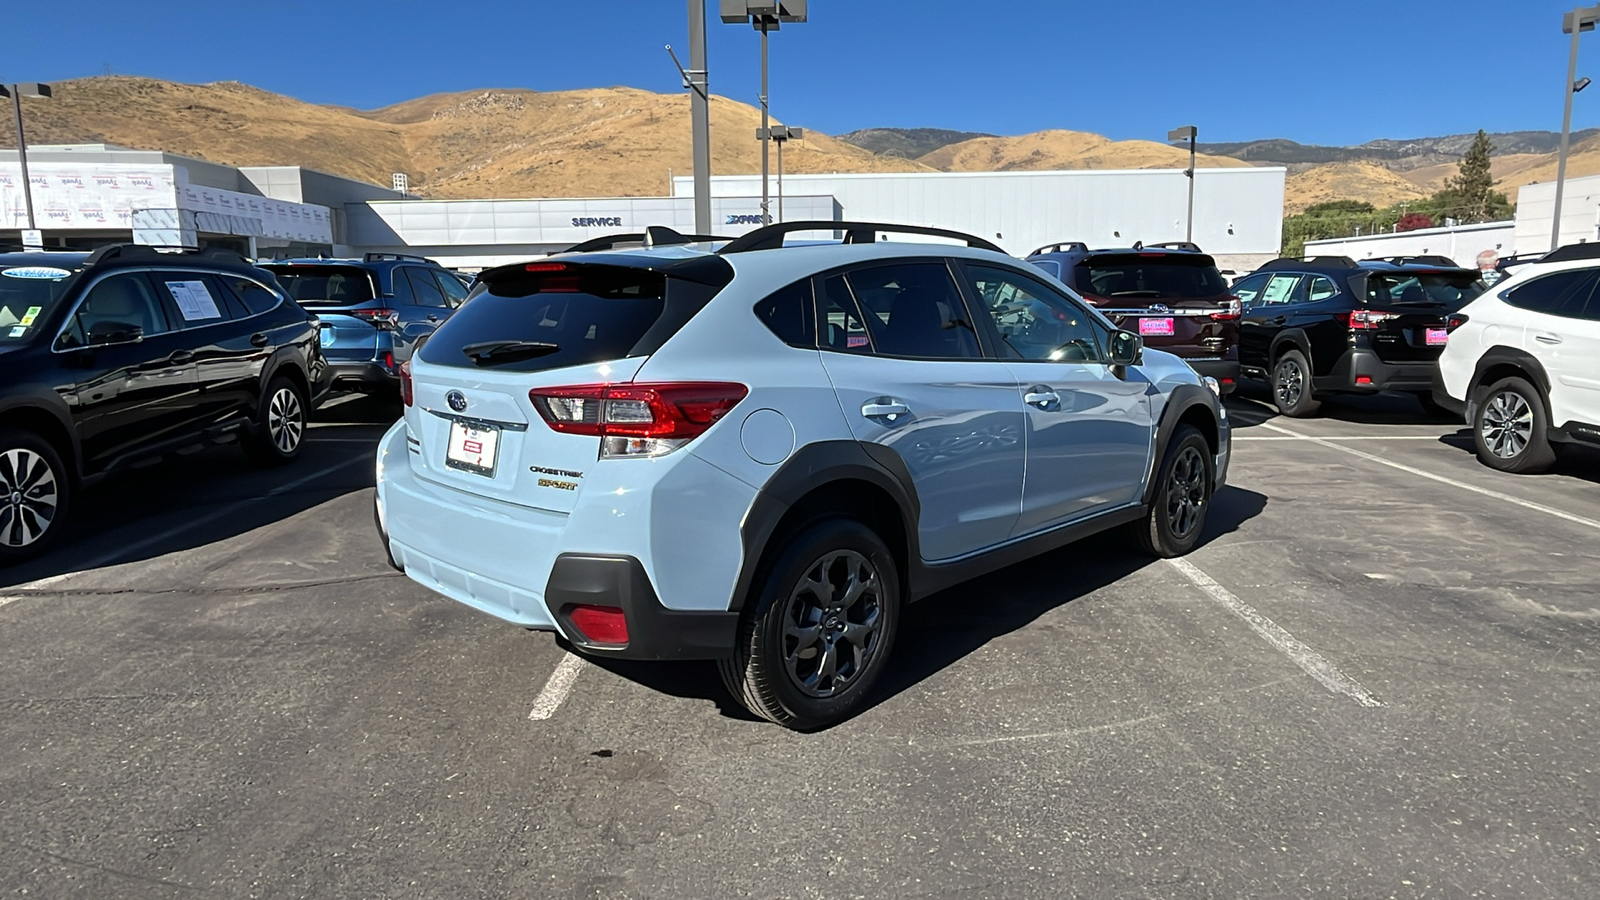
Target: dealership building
(86, 195)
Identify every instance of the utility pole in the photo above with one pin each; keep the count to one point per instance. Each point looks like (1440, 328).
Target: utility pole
(17, 92)
(1187, 132)
(700, 114)
(1579, 20)
(764, 16)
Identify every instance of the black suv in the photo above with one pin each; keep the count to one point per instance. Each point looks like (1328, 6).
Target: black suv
(128, 353)
(1326, 324)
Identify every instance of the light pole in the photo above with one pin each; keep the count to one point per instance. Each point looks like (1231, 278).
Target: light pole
(697, 82)
(1187, 132)
(1579, 20)
(764, 15)
(782, 134)
(17, 92)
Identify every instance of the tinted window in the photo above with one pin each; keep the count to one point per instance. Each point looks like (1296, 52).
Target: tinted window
(1247, 289)
(1279, 289)
(788, 314)
(1150, 276)
(194, 297)
(1424, 289)
(844, 329)
(1035, 322)
(548, 320)
(315, 285)
(1318, 288)
(27, 298)
(1048, 265)
(114, 307)
(1556, 294)
(914, 309)
(453, 289)
(256, 298)
(425, 290)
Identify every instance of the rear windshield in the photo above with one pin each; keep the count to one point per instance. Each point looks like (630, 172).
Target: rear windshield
(325, 285)
(531, 321)
(1446, 289)
(1144, 276)
(28, 294)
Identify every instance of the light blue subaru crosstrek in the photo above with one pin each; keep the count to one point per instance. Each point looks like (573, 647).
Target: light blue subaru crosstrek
(759, 453)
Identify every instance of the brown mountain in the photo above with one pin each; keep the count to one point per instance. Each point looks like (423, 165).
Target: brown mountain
(1044, 150)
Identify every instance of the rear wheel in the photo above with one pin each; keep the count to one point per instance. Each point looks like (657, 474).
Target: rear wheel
(1291, 385)
(1510, 428)
(280, 425)
(818, 630)
(1177, 514)
(34, 494)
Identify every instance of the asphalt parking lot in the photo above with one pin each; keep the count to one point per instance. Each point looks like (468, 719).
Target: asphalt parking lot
(1377, 677)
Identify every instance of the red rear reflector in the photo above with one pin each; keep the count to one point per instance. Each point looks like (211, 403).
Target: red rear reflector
(405, 382)
(600, 624)
(1363, 379)
(1227, 381)
(545, 267)
(388, 360)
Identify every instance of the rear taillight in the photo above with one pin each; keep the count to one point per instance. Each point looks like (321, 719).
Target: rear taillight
(1232, 309)
(600, 624)
(637, 420)
(381, 318)
(1454, 321)
(388, 361)
(1369, 320)
(405, 382)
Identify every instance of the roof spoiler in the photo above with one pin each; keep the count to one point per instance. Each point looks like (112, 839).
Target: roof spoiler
(771, 237)
(1572, 251)
(652, 236)
(381, 257)
(1191, 246)
(1424, 260)
(1295, 262)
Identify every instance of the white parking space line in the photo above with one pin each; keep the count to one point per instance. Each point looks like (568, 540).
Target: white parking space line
(1306, 658)
(1364, 437)
(1420, 473)
(557, 688)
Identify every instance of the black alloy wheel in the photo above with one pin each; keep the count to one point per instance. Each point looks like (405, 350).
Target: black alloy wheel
(34, 491)
(1291, 385)
(1177, 515)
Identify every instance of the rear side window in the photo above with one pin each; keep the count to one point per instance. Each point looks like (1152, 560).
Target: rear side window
(531, 321)
(1556, 294)
(788, 314)
(197, 298)
(425, 290)
(1047, 265)
(256, 298)
(1148, 276)
(325, 285)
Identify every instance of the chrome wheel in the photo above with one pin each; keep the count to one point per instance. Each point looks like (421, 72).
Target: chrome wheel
(1507, 424)
(286, 420)
(28, 497)
(1186, 493)
(1290, 383)
(831, 624)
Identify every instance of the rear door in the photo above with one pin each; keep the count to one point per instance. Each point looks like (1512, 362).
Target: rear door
(911, 375)
(1405, 311)
(1562, 331)
(227, 365)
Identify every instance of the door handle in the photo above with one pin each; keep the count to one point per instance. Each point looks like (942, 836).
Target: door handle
(1042, 397)
(884, 408)
(1547, 338)
(180, 357)
(1279, 320)
(258, 339)
(433, 318)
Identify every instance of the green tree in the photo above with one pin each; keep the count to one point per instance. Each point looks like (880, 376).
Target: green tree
(1470, 196)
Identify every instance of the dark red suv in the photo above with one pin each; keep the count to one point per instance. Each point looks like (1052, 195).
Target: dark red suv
(1171, 295)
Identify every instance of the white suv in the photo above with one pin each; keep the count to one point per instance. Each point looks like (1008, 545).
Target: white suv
(1523, 362)
(757, 455)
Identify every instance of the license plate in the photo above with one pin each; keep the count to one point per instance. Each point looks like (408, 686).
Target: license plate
(1437, 337)
(472, 448)
(1155, 326)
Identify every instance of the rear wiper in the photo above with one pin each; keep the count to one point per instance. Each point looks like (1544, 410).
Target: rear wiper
(1136, 294)
(488, 353)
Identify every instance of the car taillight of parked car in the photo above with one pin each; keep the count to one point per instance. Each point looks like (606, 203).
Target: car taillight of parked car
(1232, 309)
(405, 382)
(1369, 320)
(380, 318)
(637, 420)
(1454, 321)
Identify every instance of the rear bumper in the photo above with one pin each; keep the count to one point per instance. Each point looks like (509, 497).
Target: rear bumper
(654, 632)
(1361, 371)
(1225, 371)
(366, 377)
(1441, 396)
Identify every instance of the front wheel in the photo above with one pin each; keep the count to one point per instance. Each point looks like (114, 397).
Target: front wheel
(280, 425)
(818, 630)
(1291, 386)
(1509, 429)
(34, 494)
(1182, 498)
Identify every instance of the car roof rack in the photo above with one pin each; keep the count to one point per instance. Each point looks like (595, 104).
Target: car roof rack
(155, 251)
(1063, 247)
(771, 237)
(1296, 262)
(1191, 246)
(1573, 251)
(385, 257)
(652, 236)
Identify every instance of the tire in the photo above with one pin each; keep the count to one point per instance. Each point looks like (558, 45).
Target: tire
(1291, 386)
(279, 429)
(35, 496)
(1510, 428)
(774, 672)
(1177, 515)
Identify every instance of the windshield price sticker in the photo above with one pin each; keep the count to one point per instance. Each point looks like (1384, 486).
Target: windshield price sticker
(193, 300)
(29, 316)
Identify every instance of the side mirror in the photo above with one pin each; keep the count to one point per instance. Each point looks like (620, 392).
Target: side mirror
(115, 333)
(1127, 349)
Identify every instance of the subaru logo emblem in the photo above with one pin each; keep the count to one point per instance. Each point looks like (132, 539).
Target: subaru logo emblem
(457, 401)
(1160, 308)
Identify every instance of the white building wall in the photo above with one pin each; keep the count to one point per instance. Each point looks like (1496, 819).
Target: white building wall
(1461, 243)
(1238, 212)
(1580, 213)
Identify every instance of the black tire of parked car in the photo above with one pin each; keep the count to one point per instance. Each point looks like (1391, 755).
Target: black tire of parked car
(35, 496)
(1510, 428)
(818, 629)
(1177, 515)
(1291, 386)
(279, 429)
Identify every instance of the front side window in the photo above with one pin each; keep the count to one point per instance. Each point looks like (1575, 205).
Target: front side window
(112, 311)
(914, 310)
(1557, 294)
(1033, 321)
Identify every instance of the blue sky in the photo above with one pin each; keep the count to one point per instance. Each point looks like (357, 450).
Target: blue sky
(1331, 71)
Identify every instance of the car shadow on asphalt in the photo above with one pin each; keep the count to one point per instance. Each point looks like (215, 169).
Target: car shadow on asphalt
(940, 630)
(1251, 405)
(139, 514)
(1572, 460)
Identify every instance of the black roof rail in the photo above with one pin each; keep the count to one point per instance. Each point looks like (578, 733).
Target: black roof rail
(158, 251)
(1572, 251)
(381, 257)
(771, 237)
(1063, 247)
(652, 236)
(1295, 262)
(1176, 245)
(1421, 260)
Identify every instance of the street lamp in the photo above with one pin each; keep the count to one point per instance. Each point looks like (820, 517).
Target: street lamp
(1574, 23)
(17, 92)
(782, 134)
(764, 16)
(696, 80)
(1182, 133)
